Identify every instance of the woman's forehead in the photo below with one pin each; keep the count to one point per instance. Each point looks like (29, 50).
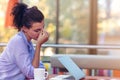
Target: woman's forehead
(37, 25)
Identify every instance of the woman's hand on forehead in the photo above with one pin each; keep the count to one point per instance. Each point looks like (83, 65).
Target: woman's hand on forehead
(43, 37)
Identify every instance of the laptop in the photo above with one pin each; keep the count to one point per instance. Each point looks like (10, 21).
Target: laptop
(75, 72)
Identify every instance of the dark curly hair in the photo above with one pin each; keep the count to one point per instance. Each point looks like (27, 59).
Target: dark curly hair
(24, 16)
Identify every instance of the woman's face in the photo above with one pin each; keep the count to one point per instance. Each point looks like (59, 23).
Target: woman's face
(34, 31)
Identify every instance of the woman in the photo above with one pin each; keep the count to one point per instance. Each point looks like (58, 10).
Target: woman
(19, 59)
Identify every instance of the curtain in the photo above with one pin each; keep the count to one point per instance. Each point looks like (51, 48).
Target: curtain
(9, 17)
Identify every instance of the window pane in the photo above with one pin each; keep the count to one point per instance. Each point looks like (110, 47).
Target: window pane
(109, 21)
(74, 22)
(109, 25)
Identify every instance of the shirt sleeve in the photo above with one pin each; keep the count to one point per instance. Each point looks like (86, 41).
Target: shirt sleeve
(24, 63)
(23, 59)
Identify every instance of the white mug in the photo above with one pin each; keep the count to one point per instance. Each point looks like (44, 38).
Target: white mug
(40, 74)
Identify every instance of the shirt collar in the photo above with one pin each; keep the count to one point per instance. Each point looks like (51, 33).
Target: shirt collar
(21, 33)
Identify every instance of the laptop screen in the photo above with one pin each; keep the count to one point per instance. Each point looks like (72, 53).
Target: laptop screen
(70, 65)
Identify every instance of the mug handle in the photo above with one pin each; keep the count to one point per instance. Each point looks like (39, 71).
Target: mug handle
(46, 74)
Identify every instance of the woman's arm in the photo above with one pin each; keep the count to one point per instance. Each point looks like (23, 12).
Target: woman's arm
(43, 37)
(36, 58)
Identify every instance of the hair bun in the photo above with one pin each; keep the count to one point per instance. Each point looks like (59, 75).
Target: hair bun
(18, 12)
(19, 8)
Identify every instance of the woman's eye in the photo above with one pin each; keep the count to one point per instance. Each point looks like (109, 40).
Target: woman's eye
(37, 30)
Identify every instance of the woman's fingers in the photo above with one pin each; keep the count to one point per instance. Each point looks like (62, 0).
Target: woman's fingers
(43, 36)
(45, 33)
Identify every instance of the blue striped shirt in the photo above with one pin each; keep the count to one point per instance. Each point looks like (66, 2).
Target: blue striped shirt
(16, 59)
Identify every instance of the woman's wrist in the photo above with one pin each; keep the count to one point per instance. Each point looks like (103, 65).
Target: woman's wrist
(38, 45)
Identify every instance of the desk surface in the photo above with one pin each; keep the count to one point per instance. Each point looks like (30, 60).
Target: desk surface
(93, 78)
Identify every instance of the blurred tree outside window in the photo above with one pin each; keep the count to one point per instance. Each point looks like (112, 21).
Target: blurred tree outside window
(74, 22)
(109, 22)
(109, 25)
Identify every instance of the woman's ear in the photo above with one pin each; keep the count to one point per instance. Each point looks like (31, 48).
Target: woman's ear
(24, 29)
